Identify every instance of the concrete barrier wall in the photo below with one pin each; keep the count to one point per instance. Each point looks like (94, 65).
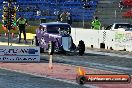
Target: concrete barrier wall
(88, 36)
(117, 40)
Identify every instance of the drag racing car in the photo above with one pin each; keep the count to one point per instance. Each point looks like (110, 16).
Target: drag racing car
(55, 37)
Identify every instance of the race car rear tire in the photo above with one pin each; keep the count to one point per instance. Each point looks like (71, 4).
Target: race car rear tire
(41, 50)
(51, 47)
(81, 47)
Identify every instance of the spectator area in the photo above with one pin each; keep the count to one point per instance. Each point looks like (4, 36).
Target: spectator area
(127, 13)
(49, 9)
(127, 3)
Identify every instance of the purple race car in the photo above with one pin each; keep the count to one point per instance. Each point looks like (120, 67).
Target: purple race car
(55, 37)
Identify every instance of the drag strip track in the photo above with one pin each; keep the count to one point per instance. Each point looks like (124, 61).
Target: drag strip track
(11, 79)
(92, 60)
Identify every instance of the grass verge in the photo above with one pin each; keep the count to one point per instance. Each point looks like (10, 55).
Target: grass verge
(29, 29)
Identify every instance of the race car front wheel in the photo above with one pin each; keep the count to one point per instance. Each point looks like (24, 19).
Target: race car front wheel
(35, 41)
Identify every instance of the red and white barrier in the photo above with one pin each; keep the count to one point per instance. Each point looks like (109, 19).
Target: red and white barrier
(12, 35)
(6, 35)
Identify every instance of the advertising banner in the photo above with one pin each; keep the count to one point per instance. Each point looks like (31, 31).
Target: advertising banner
(19, 54)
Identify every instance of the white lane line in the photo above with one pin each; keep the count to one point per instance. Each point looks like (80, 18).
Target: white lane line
(86, 67)
(90, 68)
(97, 64)
(104, 65)
(93, 64)
(62, 80)
(109, 54)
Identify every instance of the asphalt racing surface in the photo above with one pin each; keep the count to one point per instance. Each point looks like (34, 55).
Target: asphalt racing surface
(115, 62)
(10, 79)
(65, 69)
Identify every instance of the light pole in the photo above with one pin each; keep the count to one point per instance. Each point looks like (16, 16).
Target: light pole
(9, 21)
(83, 17)
(84, 8)
(56, 4)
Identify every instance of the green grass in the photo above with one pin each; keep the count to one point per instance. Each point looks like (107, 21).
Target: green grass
(29, 29)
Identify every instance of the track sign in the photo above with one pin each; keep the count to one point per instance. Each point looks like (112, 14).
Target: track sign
(19, 54)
